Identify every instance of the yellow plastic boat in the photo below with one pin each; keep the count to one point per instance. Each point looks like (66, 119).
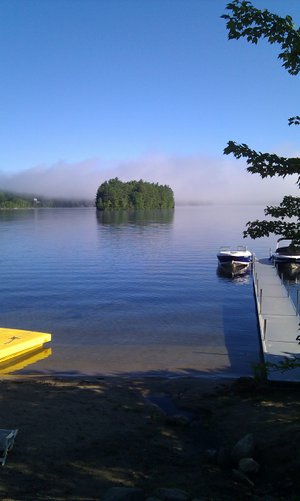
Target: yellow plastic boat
(15, 343)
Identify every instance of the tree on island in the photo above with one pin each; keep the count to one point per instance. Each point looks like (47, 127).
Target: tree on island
(247, 21)
(117, 195)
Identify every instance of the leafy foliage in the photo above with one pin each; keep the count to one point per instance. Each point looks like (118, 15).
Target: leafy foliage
(258, 229)
(247, 21)
(294, 120)
(265, 164)
(287, 208)
(253, 24)
(117, 195)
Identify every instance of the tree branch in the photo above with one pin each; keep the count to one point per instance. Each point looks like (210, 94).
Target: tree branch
(253, 24)
(289, 207)
(258, 229)
(264, 164)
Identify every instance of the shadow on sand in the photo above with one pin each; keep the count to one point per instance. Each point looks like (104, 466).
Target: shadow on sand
(79, 437)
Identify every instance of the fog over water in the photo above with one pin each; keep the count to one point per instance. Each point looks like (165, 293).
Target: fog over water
(194, 179)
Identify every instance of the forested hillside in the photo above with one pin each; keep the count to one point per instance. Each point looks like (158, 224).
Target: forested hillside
(15, 201)
(117, 195)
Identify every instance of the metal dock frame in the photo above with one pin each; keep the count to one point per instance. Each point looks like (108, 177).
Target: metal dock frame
(278, 320)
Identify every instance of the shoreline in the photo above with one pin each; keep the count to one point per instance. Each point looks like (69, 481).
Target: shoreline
(135, 360)
(217, 378)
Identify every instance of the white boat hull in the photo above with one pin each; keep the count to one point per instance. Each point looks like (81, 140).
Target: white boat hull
(287, 254)
(234, 258)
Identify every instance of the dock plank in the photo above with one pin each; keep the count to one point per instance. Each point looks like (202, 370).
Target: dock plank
(274, 305)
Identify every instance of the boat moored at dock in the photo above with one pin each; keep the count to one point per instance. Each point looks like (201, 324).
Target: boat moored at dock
(237, 258)
(287, 254)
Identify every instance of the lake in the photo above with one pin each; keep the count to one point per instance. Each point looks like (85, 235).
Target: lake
(135, 292)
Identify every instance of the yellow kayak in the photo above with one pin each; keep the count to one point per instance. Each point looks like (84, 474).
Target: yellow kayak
(15, 342)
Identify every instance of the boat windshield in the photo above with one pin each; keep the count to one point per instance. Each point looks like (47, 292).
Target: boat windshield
(292, 249)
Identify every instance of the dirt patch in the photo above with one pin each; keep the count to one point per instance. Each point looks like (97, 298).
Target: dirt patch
(78, 438)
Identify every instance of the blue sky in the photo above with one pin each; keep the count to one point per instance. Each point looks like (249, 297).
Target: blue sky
(149, 89)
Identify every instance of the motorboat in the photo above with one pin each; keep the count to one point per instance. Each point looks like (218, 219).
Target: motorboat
(240, 257)
(287, 253)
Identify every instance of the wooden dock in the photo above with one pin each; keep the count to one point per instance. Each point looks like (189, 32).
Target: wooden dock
(278, 320)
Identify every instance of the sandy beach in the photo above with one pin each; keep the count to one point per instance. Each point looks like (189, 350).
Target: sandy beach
(78, 438)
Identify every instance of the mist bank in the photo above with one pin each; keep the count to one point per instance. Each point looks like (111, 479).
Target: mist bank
(195, 180)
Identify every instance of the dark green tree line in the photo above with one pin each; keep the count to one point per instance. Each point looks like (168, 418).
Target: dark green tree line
(117, 195)
(244, 20)
(15, 201)
(11, 201)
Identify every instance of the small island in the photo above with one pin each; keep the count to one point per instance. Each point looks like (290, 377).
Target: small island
(117, 195)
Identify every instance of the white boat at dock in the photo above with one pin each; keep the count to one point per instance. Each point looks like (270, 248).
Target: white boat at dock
(240, 257)
(287, 254)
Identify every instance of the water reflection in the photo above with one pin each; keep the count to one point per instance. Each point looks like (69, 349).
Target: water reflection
(288, 273)
(238, 276)
(140, 217)
(19, 363)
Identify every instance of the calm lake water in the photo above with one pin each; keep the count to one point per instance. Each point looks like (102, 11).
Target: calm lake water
(130, 292)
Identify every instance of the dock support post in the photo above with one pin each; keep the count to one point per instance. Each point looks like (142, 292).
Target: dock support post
(265, 328)
(297, 301)
(260, 300)
(288, 288)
